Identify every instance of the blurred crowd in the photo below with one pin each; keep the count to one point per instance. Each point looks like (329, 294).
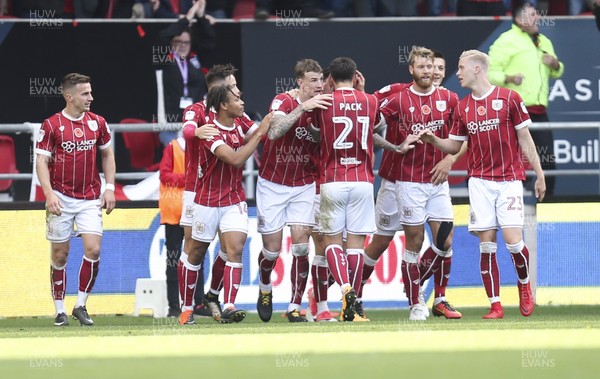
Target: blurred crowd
(263, 9)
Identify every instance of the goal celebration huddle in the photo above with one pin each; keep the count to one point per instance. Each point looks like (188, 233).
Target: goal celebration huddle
(315, 177)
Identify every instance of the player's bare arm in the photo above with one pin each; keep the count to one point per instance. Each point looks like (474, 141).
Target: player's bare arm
(379, 141)
(528, 147)
(53, 204)
(281, 124)
(446, 145)
(439, 173)
(108, 168)
(237, 158)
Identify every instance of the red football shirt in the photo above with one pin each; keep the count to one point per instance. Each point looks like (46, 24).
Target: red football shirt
(410, 112)
(292, 159)
(346, 129)
(490, 125)
(220, 184)
(71, 143)
(194, 116)
(389, 158)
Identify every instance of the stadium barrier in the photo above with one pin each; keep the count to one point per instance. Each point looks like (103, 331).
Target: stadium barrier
(134, 247)
(577, 155)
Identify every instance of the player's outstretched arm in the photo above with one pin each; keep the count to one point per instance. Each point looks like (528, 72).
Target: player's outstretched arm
(108, 168)
(528, 147)
(446, 145)
(238, 157)
(281, 124)
(379, 141)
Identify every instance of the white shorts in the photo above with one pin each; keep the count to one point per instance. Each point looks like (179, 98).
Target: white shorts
(187, 214)
(422, 202)
(317, 213)
(495, 204)
(85, 214)
(278, 205)
(387, 218)
(209, 220)
(347, 205)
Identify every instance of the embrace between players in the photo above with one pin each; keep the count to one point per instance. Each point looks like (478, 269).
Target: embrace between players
(318, 156)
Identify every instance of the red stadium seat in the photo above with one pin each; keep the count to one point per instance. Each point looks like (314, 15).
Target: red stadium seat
(244, 9)
(142, 146)
(8, 163)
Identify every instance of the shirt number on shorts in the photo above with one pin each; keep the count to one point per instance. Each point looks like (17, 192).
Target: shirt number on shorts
(340, 142)
(513, 200)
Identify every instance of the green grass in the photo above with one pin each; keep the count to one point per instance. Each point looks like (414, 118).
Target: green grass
(556, 342)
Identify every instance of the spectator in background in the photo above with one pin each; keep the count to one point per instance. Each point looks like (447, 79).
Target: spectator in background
(576, 7)
(183, 79)
(480, 8)
(171, 8)
(524, 60)
(436, 7)
(308, 8)
(38, 8)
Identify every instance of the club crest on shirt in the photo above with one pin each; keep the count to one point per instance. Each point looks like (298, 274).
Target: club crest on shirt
(496, 105)
(93, 125)
(524, 108)
(384, 220)
(411, 109)
(276, 104)
(189, 115)
(78, 132)
(407, 211)
(440, 105)
(425, 109)
(61, 128)
(234, 139)
(200, 227)
(481, 110)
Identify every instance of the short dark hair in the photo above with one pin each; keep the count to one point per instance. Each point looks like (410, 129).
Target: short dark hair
(219, 72)
(326, 73)
(342, 69)
(216, 96)
(73, 79)
(438, 54)
(518, 7)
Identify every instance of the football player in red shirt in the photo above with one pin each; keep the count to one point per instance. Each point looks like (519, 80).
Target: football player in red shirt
(221, 201)
(285, 190)
(494, 121)
(66, 149)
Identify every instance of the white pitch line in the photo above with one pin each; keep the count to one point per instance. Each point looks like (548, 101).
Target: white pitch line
(295, 343)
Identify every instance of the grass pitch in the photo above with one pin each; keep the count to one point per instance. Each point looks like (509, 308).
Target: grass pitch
(555, 342)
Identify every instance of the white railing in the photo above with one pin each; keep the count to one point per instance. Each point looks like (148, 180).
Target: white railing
(250, 172)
